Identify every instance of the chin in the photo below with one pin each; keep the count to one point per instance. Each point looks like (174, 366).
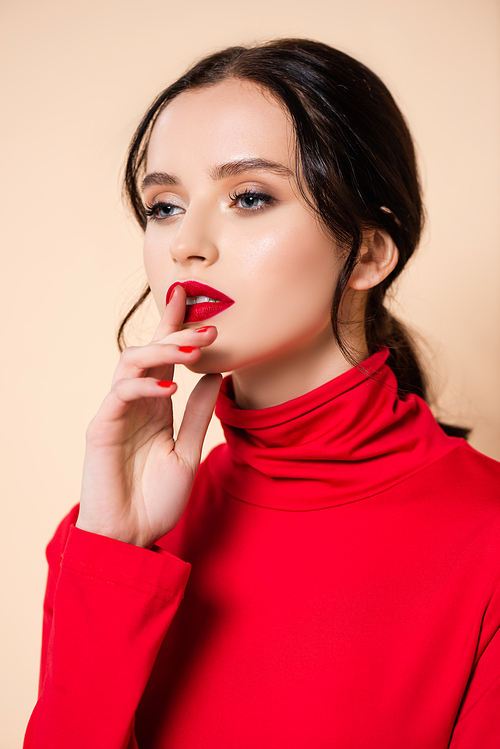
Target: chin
(211, 363)
(201, 370)
(221, 361)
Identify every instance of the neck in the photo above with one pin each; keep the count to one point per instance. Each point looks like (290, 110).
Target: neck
(270, 383)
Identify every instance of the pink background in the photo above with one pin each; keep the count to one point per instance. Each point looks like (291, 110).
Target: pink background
(77, 76)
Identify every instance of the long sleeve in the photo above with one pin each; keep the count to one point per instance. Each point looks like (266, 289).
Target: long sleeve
(478, 723)
(108, 606)
(320, 610)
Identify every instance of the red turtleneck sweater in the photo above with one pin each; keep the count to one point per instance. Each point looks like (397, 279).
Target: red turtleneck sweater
(343, 558)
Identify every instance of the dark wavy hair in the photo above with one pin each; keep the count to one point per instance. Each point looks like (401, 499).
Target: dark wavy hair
(355, 157)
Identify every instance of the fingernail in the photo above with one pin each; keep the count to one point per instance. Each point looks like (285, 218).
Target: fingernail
(165, 383)
(202, 330)
(170, 292)
(187, 349)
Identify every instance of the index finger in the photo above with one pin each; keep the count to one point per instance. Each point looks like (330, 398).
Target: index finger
(173, 314)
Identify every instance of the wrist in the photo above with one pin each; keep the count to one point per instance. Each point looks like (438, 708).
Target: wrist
(115, 534)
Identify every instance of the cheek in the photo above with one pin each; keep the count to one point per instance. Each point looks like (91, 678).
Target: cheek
(293, 266)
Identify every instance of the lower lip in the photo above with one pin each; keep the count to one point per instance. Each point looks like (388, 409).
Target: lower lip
(197, 312)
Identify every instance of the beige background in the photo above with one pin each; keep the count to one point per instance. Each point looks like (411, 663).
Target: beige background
(77, 76)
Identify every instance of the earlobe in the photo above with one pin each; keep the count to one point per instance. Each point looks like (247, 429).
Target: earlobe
(378, 257)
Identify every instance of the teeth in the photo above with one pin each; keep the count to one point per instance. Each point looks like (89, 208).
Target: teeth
(199, 300)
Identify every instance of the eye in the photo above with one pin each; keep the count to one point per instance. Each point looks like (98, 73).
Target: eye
(160, 211)
(251, 201)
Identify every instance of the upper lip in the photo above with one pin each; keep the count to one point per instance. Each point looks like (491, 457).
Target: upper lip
(195, 288)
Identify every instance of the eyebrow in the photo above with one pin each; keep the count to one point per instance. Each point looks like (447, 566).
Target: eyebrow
(231, 169)
(234, 168)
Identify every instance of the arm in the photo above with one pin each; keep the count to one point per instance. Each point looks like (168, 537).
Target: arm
(111, 594)
(478, 722)
(104, 621)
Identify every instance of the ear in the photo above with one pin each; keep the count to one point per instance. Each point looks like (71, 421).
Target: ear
(378, 257)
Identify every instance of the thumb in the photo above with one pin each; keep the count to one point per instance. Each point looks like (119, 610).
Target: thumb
(199, 410)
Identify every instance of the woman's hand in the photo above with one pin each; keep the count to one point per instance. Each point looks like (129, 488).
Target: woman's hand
(136, 478)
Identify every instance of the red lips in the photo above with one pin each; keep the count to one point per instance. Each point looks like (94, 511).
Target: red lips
(204, 309)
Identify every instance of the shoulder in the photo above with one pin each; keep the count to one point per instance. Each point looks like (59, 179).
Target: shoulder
(470, 470)
(460, 489)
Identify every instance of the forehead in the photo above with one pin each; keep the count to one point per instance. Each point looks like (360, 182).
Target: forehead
(232, 120)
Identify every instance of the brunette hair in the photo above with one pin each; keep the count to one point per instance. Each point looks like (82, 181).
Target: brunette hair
(354, 157)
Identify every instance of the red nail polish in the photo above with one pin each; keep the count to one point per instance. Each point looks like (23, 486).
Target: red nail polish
(187, 349)
(165, 383)
(202, 330)
(170, 292)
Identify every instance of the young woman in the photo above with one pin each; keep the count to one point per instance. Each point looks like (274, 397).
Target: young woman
(342, 550)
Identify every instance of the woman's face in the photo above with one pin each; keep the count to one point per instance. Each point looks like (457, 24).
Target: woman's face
(225, 211)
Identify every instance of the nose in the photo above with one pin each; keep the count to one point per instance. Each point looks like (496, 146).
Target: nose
(194, 241)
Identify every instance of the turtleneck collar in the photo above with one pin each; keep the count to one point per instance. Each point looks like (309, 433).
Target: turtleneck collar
(346, 440)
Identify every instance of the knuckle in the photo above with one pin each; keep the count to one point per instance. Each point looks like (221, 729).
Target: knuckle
(129, 354)
(92, 429)
(118, 387)
(89, 431)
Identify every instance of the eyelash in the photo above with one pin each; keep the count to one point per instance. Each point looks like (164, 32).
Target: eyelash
(150, 210)
(266, 199)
